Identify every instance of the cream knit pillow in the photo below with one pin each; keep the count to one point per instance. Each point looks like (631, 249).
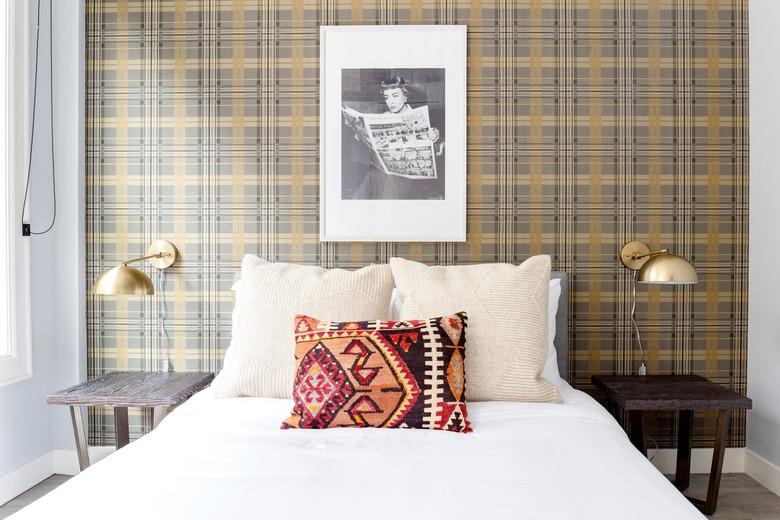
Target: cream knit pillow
(260, 361)
(507, 309)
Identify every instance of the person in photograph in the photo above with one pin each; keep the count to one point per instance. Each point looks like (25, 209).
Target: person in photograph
(376, 184)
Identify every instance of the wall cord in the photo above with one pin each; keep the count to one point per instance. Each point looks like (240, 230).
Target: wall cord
(26, 231)
(163, 331)
(642, 366)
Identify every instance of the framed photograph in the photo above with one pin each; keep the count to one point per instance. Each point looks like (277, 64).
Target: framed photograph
(393, 133)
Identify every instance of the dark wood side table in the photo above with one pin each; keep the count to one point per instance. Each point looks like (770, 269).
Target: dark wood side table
(162, 391)
(684, 394)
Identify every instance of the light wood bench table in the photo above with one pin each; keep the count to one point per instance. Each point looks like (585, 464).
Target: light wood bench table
(162, 391)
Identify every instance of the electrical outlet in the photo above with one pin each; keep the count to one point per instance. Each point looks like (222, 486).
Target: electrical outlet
(25, 230)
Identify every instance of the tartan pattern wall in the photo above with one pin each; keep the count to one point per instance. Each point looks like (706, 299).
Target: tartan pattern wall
(590, 124)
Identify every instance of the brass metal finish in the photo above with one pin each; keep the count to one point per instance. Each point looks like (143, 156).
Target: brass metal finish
(123, 279)
(634, 255)
(667, 269)
(163, 253)
(661, 267)
(141, 258)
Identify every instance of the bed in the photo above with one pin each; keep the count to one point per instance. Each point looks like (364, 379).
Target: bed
(228, 458)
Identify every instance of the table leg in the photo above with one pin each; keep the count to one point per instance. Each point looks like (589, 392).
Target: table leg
(682, 476)
(709, 505)
(159, 414)
(717, 461)
(121, 427)
(636, 419)
(612, 408)
(81, 437)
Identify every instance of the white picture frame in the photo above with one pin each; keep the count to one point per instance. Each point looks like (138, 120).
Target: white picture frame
(392, 172)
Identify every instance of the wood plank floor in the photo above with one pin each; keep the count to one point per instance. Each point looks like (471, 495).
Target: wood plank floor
(31, 495)
(741, 497)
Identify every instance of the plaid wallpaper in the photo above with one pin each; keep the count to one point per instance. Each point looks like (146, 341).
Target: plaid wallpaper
(590, 123)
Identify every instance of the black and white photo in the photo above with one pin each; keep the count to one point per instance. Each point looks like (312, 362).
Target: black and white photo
(393, 133)
(393, 141)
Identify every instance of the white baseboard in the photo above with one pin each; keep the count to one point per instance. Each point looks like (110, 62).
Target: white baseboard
(21, 479)
(762, 471)
(701, 460)
(64, 462)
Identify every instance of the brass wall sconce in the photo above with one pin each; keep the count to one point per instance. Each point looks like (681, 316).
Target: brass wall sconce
(659, 267)
(653, 267)
(124, 279)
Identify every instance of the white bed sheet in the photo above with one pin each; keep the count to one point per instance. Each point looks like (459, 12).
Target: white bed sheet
(227, 458)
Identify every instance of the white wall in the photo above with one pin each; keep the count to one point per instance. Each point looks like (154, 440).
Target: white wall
(29, 427)
(764, 313)
(68, 291)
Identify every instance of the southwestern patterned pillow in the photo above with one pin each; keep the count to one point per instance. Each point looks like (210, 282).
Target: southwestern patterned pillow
(385, 374)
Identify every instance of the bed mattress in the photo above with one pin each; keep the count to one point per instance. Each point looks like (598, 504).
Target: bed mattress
(227, 458)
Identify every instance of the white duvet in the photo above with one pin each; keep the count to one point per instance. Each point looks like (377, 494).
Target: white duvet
(227, 458)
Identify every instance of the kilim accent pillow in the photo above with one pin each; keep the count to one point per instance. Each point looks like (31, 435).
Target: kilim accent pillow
(385, 374)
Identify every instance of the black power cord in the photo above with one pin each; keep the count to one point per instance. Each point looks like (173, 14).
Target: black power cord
(26, 230)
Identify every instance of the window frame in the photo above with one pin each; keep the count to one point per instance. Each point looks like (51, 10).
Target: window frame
(16, 358)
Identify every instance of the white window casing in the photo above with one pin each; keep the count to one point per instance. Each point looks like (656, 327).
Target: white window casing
(15, 334)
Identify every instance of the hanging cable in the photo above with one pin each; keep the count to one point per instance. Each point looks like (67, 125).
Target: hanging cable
(25, 227)
(642, 367)
(163, 331)
(655, 447)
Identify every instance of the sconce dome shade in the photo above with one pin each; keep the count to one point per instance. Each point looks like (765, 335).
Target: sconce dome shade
(667, 269)
(123, 280)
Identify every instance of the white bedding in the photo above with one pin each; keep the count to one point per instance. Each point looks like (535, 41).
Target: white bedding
(227, 458)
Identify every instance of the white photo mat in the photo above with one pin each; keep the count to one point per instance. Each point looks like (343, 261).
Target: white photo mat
(393, 47)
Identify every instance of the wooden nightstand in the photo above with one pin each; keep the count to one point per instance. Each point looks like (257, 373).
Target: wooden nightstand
(162, 391)
(682, 393)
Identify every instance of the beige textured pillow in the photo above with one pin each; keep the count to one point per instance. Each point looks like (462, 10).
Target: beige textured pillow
(507, 309)
(260, 361)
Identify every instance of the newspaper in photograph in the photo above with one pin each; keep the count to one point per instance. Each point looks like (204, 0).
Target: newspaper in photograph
(398, 143)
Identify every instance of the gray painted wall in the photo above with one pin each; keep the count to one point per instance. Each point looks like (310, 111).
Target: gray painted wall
(29, 428)
(764, 308)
